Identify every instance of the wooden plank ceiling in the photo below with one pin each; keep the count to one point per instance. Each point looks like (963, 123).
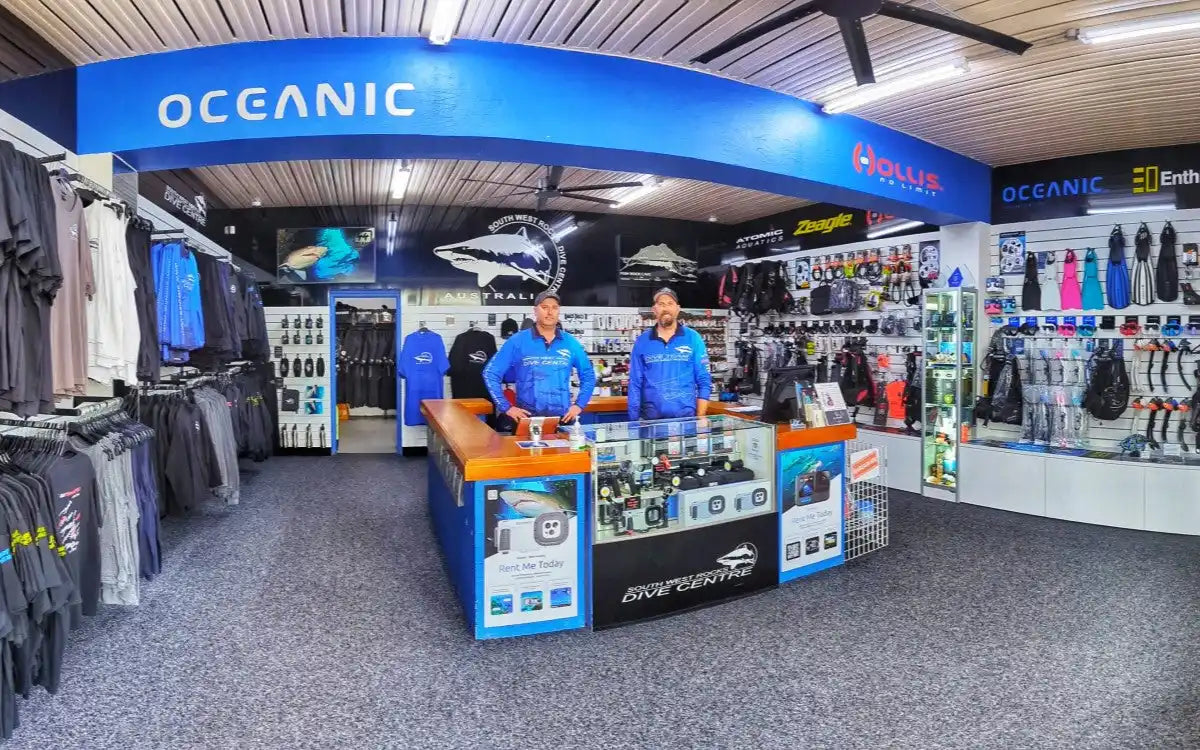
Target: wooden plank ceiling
(1061, 98)
(439, 182)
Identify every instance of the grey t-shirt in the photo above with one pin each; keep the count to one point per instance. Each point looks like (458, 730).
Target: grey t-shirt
(68, 315)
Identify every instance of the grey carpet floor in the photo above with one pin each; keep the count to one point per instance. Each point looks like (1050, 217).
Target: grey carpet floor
(317, 615)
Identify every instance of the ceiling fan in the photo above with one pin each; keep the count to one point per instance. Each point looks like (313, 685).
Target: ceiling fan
(547, 188)
(849, 15)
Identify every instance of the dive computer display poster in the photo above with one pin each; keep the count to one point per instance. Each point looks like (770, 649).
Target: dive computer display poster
(533, 548)
(812, 524)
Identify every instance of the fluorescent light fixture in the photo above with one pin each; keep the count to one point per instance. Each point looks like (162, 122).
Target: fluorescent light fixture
(873, 92)
(650, 183)
(445, 21)
(560, 233)
(400, 178)
(1116, 32)
(884, 230)
(392, 223)
(1131, 208)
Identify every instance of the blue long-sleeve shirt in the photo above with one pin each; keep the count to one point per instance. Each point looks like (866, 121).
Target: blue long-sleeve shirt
(667, 377)
(542, 373)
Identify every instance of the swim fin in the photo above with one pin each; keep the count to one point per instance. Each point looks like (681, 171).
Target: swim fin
(1142, 291)
(1093, 296)
(1117, 278)
(1166, 271)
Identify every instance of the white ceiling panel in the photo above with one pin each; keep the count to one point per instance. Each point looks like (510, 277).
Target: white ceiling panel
(1060, 98)
(437, 182)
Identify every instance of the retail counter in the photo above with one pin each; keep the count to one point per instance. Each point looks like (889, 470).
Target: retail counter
(651, 520)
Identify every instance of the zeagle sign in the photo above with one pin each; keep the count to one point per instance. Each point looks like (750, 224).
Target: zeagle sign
(823, 226)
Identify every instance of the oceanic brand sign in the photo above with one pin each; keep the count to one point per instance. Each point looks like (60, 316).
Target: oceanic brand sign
(1039, 191)
(258, 103)
(368, 97)
(893, 172)
(1150, 178)
(521, 249)
(823, 226)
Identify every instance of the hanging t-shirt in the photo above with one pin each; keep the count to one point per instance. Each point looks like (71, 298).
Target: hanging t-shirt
(423, 365)
(895, 399)
(470, 352)
(68, 315)
(77, 524)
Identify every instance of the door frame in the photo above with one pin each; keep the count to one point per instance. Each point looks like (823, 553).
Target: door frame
(339, 295)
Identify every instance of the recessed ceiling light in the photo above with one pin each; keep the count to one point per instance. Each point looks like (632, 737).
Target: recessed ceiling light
(256, 202)
(713, 217)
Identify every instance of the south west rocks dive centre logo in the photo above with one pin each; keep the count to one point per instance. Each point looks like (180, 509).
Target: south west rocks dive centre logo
(892, 172)
(519, 246)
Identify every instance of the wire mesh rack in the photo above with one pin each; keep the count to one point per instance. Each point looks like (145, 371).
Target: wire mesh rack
(866, 499)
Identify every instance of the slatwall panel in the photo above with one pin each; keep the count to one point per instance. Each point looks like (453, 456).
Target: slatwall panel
(440, 182)
(274, 317)
(893, 346)
(1092, 231)
(1060, 98)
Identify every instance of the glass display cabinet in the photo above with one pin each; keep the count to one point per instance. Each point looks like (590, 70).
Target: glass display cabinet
(665, 476)
(948, 393)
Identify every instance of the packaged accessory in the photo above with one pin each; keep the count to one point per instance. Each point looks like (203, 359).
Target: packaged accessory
(320, 338)
(285, 340)
(1009, 305)
(1130, 328)
(297, 366)
(308, 339)
(320, 367)
(994, 284)
(308, 323)
(1108, 322)
(284, 322)
(1086, 330)
(296, 323)
(308, 367)
(992, 307)
(321, 324)
(290, 400)
(1066, 329)
(283, 367)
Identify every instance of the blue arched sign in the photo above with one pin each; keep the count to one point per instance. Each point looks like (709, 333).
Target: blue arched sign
(390, 97)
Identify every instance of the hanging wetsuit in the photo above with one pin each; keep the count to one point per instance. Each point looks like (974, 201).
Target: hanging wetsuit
(1031, 291)
(1117, 280)
(1051, 299)
(1166, 273)
(1143, 275)
(1093, 296)
(1071, 297)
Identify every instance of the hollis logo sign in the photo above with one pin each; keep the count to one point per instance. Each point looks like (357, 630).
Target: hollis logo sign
(892, 172)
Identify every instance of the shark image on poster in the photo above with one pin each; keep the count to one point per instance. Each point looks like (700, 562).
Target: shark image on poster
(494, 255)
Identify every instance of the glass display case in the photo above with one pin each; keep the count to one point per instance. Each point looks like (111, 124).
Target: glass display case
(665, 476)
(948, 326)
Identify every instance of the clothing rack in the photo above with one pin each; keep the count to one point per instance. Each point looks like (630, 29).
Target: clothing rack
(181, 234)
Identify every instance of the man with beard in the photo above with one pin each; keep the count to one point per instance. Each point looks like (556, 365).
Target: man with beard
(539, 360)
(668, 370)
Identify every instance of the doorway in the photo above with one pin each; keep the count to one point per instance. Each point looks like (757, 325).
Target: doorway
(366, 343)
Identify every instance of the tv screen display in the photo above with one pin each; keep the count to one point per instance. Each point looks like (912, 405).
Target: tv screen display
(326, 255)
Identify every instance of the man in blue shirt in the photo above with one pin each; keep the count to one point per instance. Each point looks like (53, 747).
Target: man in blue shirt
(541, 359)
(668, 370)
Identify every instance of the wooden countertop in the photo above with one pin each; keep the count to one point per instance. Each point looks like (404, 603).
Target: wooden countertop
(786, 438)
(484, 454)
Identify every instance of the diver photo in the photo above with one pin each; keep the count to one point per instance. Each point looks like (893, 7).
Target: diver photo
(322, 255)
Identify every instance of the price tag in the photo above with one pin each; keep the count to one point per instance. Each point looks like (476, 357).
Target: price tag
(1014, 322)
